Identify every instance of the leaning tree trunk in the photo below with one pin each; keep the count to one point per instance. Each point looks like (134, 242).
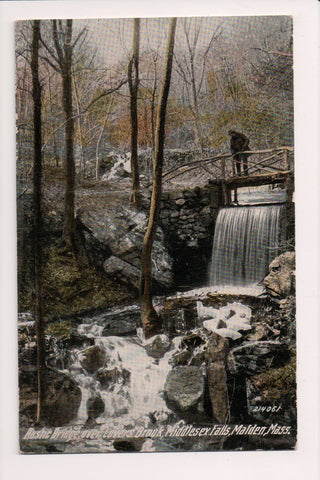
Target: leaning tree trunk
(82, 158)
(133, 79)
(153, 101)
(37, 177)
(151, 322)
(104, 122)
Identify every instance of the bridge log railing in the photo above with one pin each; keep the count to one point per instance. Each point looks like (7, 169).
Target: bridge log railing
(222, 167)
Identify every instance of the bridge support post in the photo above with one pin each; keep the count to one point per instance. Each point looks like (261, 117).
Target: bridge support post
(226, 194)
(289, 184)
(235, 195)
(290, 212)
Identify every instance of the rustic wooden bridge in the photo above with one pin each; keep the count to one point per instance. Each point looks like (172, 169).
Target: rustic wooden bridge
(265, 167)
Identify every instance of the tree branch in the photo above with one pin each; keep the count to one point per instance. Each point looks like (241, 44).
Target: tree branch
(84, 30)
(24, 90)
(57, 43)
(52, 65)
(107, 92)
(273, 52)
(49, 50)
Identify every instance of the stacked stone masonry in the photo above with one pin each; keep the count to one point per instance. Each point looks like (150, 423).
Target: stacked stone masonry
(187, 218)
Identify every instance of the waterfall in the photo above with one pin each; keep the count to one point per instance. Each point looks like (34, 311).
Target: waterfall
(141, 395)
(246, 240)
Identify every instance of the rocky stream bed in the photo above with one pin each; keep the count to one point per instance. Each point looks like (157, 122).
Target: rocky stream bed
(222, 360)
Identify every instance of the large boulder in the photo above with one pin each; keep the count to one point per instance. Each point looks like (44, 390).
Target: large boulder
(271, 396)
(216, 358)
(157, 346)
(118, 322)
(95, 407)
(281, 279)
(109, 377)
(123, 271)
(119, 232)
(62, 401)
(120, 327)
(180, 358)
(184, 389)
(217, 349)
(253, 358)
(191, 349)
(92, 358)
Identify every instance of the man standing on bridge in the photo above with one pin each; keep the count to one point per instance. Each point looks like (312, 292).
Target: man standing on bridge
(239, 143)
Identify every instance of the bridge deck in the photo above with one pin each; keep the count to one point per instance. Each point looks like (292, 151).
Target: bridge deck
(257, 180)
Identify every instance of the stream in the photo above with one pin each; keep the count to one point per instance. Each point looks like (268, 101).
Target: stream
(137, 389)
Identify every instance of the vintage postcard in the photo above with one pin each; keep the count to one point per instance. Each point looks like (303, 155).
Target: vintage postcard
(156, 234)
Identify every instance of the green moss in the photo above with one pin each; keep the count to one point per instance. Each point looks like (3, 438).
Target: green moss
(73, 287)
(62, 330)
(279, 384)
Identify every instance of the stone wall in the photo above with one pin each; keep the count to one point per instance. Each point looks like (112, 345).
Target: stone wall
(188, 218)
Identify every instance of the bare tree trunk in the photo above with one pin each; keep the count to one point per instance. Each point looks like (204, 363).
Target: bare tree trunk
(69, 221)
(153, 104)
(199, 139)
(193, 77)
(64, 55)
(82, 161)
(133, 79)
(151, 322)
(100, 137)
(55, 149)
(37, 194)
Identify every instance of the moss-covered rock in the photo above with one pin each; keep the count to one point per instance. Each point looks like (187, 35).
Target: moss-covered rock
(62, 400)
(92, 358)
(278, 385)
(73, 287)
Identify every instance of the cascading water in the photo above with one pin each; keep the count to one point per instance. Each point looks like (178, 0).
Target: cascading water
(138, 397)
(246, 240)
